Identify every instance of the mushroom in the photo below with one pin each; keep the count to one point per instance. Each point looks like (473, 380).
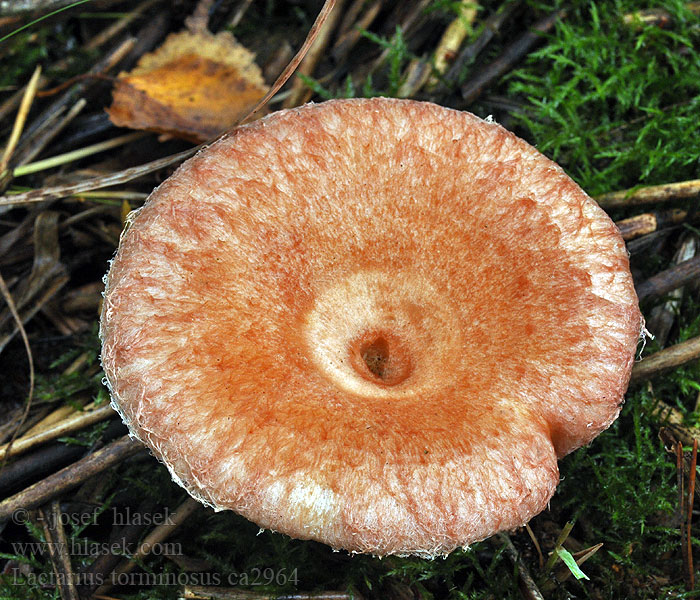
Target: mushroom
(375, 323)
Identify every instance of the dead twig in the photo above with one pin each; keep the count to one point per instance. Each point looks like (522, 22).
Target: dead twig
(57, 545)
(669, 280)
(663, 360)
(349, 34)
(647, 195)
(646, 223)
(44, 461)
(69, 477)
(663, 316)
(491, 28)
(528, 587)
(690, 573)
(152, 541)
(473, 88)
(452, 39)
(68, 425)
(124, 536)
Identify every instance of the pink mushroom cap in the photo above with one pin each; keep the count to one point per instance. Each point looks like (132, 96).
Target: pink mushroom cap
(374, 323)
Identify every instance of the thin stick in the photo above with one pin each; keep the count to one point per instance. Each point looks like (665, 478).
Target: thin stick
(407, 24)
(646, 223)
(198, 21)
(122, 536)
(21, 119)
(680, 480)
(536, 543)
(663, 316)
(670, 279)
(667, 415)
(116, 28)
(240, 11)
(348, 37)
(152, 541)
(47, 135)
(473, 88)
(68, 478)
(528, 587)
(70, 424)
(492, 26)
(31, 467)
(648, 195)
(298, 57)
(668, 358)
(57, 545)
(68, 157)
(30, 358)
(453, 37)
(689, 518)
(300, 92)
(62, 191)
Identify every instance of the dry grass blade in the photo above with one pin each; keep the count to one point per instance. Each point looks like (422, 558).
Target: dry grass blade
(20, 326)
(300, 93)
(63, 191)
(536, 543)
(35, 146)
(8, 202)
(68, 157)
(18, 126)
(47, 276)
(291, 67)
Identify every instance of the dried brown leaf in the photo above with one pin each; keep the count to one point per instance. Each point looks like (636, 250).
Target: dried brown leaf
(195, 86)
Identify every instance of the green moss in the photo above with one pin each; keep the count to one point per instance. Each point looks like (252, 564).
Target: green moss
(616, 105)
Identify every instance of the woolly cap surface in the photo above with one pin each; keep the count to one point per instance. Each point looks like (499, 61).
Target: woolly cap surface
(372, 323)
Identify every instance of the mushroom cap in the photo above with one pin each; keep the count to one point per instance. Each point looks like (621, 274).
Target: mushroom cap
(374, 323)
